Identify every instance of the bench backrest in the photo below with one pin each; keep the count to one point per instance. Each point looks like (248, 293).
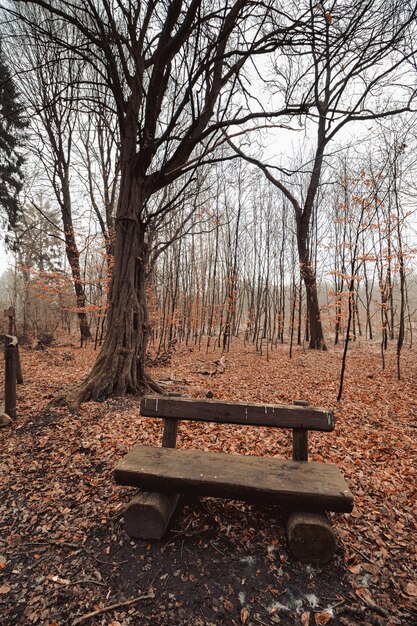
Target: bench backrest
(223, 412)
(299, 416)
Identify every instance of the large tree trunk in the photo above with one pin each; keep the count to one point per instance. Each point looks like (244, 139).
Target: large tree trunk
(120, 366)
(308, 274)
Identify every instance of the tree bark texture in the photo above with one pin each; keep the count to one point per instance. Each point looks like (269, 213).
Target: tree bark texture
(309, 277)
(120, 366)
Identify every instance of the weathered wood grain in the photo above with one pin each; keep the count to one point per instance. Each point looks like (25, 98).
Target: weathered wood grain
(300, 444)
(148, 514)
(300, 439)
(10, 372)
(310, 537)
(298, 485)
(275, 415)
(169, 437)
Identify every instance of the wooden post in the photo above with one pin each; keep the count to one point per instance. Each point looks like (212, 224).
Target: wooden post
(300, 439)
(148, 513)
(10, 314)
(169, 437)
(310, 535)
(10, 377)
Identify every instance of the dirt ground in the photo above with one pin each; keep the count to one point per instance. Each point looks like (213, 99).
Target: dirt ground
(64, 555)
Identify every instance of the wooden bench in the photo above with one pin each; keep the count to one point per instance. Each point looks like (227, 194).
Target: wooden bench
(304, 489)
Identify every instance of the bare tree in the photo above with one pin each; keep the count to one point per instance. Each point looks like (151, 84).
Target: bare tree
(49, 84)
(167, 66)
(352, 70)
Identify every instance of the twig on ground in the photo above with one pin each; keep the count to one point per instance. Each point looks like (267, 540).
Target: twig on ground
(109, 562)
(361, 554)
(111, 607)
(178, 534)
(264, 607)
(88, 581)
(338, 603)
(64, 544)
(217, 549)
(359, 611)
(259, 621)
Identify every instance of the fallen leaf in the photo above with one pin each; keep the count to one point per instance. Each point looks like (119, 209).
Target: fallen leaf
(305, 618)
(4, 589)
(228, 605)
(59, 580)
(371, 569)
(323, 617)
(244, 615)
(364, 595)
(354, 569)
(411, 589)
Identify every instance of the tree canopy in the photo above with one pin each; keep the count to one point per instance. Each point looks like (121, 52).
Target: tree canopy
(12, 125)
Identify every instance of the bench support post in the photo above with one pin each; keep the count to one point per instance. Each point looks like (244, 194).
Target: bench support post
(310, 535)
(300, 444)
(169, 437)
(148, 513)
(300, 439)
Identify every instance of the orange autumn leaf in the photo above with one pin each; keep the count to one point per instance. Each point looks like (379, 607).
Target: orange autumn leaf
(228, 605)
(305, 618)
(411, 589)
(323, 617)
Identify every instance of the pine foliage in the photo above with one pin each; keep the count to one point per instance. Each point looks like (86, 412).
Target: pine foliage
(12, 126)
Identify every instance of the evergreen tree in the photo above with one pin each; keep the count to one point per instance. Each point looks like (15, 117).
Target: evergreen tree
(12, 126)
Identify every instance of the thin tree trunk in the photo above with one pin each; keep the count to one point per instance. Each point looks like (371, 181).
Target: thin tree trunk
(309, 277)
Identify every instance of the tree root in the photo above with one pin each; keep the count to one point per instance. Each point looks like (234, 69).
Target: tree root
(154, 386)
(98, 390)
(58, 400)
(319, 345)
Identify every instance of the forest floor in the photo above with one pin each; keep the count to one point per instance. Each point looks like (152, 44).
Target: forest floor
(64, 555)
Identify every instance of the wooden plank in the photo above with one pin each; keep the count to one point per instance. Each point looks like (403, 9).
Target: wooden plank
(275, 415)
(309, 486)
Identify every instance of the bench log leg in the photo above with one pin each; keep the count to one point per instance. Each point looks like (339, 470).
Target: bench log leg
(147, 515)
(311, 537)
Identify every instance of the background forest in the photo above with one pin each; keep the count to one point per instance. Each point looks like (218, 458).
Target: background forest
(301, 187)
(213, 199)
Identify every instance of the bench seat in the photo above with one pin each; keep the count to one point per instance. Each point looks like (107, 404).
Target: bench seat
(296, 484)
